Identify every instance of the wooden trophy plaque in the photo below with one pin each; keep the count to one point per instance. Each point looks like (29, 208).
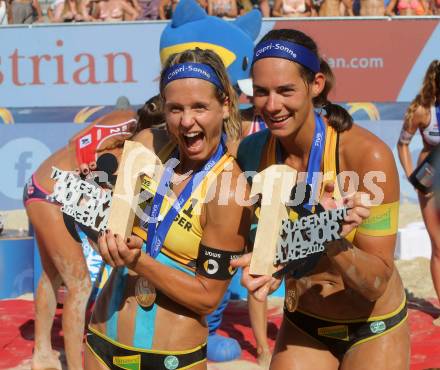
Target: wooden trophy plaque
(274, 184)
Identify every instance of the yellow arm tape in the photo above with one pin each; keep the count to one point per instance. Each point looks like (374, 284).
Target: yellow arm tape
(383, 220)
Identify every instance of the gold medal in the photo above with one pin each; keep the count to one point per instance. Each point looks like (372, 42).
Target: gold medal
(145, 292)
(291, 299)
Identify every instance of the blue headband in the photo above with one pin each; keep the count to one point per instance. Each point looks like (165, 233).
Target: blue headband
(287, 50)
(191, 70)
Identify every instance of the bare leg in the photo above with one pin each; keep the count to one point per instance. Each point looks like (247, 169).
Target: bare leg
(67, 256)
(258, 317)
(91, 362)
(432, 224)
(390, 351)
(45, 306)
(295, 350)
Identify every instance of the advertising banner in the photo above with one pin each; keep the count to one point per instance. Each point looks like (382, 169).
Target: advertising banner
(379, 60)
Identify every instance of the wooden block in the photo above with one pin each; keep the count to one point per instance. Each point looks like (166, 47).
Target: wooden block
(274, 184)
(136, 161)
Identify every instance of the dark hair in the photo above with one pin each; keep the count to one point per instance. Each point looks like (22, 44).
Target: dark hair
(150, 114)
(336, 115)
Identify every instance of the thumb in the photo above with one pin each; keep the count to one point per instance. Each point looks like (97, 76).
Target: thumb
(243, 261)
(134, 242)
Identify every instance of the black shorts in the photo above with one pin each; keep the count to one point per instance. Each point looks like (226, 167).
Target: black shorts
(116, 356)
(339, 336)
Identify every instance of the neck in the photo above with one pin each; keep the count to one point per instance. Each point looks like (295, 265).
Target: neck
(186, 164)
(299, 143)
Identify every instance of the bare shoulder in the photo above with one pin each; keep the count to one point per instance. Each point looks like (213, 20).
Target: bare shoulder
(360, 148)
(371, 159)
(422, 116)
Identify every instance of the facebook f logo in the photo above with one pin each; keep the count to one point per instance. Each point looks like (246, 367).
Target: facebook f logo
(20, 157)
(21, 166)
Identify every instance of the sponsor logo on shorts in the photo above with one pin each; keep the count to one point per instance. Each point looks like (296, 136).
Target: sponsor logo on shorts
(171, 362)
(128, 362)
(335, 332)
(377, 327)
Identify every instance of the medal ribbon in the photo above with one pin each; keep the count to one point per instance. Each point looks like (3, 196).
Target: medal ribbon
(314, 162)
(157, 233)
(437, 113)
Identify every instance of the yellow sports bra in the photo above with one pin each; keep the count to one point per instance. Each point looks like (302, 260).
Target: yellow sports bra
(268, 158)
(383, 218)
(183, 238)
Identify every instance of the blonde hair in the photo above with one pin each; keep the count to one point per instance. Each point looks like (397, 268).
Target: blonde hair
(429, 93)
(232, 125)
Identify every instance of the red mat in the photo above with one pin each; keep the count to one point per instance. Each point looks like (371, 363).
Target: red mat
(17, 327)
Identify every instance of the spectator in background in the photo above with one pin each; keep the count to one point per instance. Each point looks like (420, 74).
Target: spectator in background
(291, 8)
(423, 114)
(26, 11)
(335, 8)
(166, 7)
(55, 11)
(406, 7)
(115, 11)
(75, 11)
(149, 10)
(245, 6)
(372, 8)
(223, 8)
(135, 4)
(434, 7)
(3, 12)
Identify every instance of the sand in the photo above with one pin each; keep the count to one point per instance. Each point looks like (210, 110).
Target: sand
(415, 275)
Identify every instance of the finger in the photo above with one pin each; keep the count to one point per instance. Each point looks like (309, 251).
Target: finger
(353, 219)
(243, 261)
(356, 214)
(363, 212)
(348, 202)
(113, 248)
(123, 250)
(84, 169)
(262, 293)
(134, 242)
(364, 199)
(274, 284)
(103, 250)
(255, 283)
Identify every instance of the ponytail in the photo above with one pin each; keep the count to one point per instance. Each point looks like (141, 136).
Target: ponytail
(337, 116)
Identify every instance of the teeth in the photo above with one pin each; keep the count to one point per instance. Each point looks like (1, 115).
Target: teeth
(191, 134)
(278, 119)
